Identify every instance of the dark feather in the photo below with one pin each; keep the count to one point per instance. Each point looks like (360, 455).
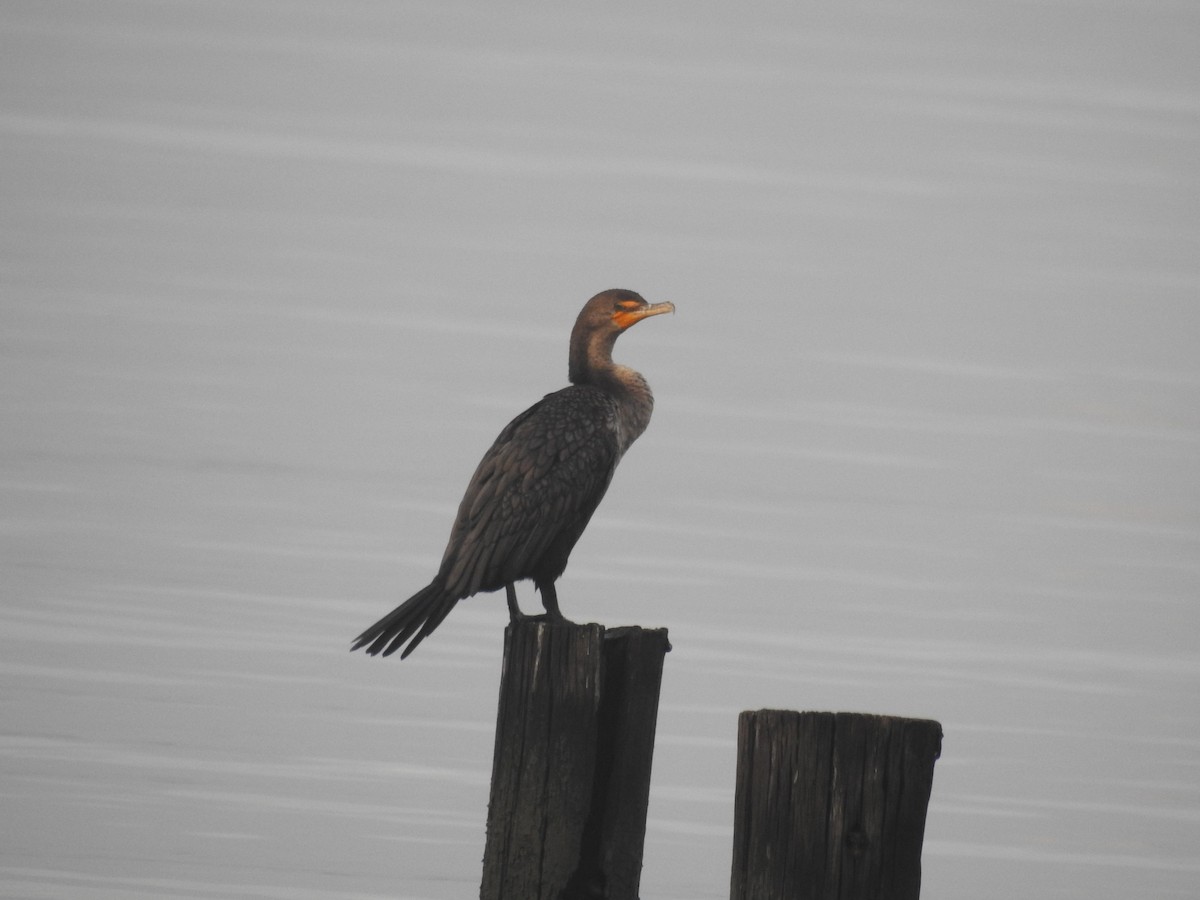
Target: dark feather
(537, 486)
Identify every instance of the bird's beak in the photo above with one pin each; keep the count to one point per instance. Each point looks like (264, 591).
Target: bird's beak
(626, 318)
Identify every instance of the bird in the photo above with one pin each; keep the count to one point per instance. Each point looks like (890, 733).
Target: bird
(535, 489)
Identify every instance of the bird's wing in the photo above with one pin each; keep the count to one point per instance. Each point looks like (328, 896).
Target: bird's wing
(541, 479)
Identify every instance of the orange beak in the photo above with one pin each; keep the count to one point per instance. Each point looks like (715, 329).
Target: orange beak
(627, 317)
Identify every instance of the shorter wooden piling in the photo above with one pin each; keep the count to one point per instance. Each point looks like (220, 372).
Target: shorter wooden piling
(571, 768)
(831, 806)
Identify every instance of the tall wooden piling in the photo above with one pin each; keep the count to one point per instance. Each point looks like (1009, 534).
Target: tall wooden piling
(831, 806)
(571, 768)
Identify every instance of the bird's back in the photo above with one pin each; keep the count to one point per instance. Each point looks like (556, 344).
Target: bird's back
(533, 492)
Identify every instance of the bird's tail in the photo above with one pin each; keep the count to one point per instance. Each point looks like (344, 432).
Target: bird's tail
(418, 615)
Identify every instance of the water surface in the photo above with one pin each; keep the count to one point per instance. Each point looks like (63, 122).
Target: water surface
(927, 439)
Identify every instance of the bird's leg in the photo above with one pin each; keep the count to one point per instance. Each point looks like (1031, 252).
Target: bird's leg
(514, 611)
(550, 601)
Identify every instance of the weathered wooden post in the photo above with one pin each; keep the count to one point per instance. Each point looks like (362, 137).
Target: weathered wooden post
(571, 769)
(831, 806)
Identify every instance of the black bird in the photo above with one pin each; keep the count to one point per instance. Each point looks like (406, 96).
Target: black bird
(536, 488)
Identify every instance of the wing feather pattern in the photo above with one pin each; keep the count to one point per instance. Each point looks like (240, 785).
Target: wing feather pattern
(534, 490)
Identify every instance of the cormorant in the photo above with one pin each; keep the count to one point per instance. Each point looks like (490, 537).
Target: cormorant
(536, 488)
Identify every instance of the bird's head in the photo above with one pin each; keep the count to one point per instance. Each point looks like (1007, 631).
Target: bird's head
(617, 310)
(601, 320)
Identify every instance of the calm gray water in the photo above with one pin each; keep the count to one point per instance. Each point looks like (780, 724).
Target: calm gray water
(272, 276)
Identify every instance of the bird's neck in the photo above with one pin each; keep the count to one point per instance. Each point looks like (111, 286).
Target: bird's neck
(591, 356)
(635, 402)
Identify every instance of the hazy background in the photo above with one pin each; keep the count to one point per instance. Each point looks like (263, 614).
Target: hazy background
(927, 443)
